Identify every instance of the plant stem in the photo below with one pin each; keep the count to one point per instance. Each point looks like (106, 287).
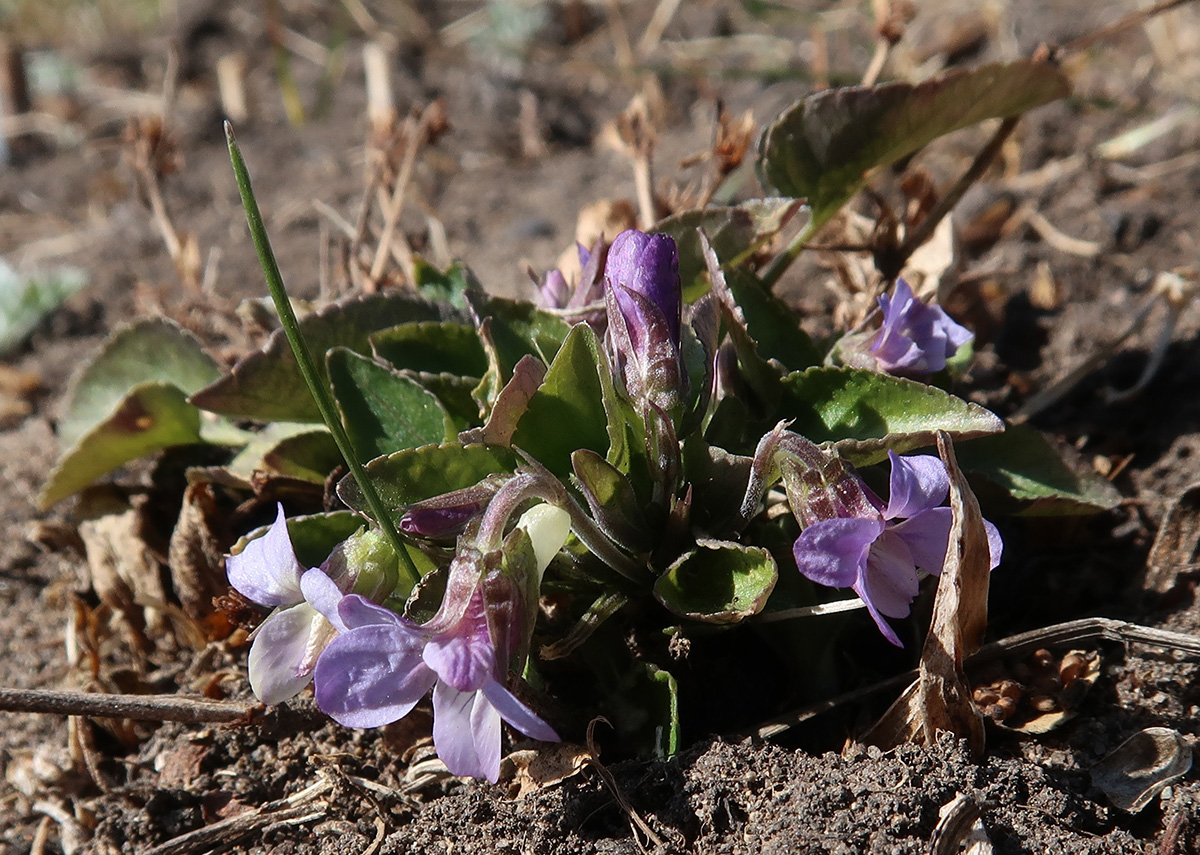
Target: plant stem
(145, 707)
(308, 368)
(784, 260)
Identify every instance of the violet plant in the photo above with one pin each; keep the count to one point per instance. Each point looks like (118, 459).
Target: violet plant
(606, 504)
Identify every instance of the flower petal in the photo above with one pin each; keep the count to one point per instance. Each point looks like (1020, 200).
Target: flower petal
(917, 483)
(463, 657)
(279, 649)
(834, 552)
(927, 536)
(517, 714)
(995, 545)
(357, 611)
(266, 571)
(485, 727)
(455, 735)
(372, 676)
(323, 594)
(890, 582)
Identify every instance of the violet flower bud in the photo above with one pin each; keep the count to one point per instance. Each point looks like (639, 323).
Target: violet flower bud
(644, 297)
(916, 338)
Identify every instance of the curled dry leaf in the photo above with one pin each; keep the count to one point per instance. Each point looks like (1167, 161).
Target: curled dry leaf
(940, 698)
(534, 769)
(1141, 766)
(1176, 546)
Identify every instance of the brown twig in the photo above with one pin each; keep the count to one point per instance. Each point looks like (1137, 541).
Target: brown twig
(144, 707)
(1133, 19)
(924, 230)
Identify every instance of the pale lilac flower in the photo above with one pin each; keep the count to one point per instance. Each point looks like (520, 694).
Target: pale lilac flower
(916, 338)
(877, 552)
(644, 299)
(287, 644)
(383, 664)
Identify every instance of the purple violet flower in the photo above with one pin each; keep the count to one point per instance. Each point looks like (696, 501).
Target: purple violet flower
(877, 553)
(287, 644)
(916, 338)
(383, 664)
(644, 299)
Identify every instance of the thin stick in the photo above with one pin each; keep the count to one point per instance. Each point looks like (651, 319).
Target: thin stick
(304, 360)
(142, 707)
(396, 205)
(1071, 632)
(925, 228)
(1130, 21)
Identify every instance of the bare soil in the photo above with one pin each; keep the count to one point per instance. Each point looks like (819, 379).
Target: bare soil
(97, 787)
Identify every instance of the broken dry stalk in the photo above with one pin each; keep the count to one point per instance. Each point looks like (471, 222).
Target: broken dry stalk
(143, 707)
(415, 135)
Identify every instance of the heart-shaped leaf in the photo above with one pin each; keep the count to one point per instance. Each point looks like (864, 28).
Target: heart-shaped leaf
(731, 231)
(384, 411)
(151, 417)
(567, 412)
(1031, 475)
(267, 384)
(149, 351)
(865, 414)
(519, 328)
(416, 474)
(718, 582)
(822, 147)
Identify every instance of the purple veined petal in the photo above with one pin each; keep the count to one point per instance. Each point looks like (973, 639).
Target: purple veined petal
(834, 552)
(323, 594)
(280, 647)
(266, 571)
(372, 676)
(648, 265)
(927, 536)
(454, 735)
(357, 611)
(917, 483)
(517, 714)
(890, 582)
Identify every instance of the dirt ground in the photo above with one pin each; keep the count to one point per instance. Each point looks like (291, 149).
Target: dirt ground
(1041, 299)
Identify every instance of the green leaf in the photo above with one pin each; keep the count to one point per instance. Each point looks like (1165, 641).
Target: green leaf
(1032, 476)
(666, 737)
(267, 384)
(383, 411)
(421, 473)
(448, 286)
(732, 231)
(611, 498)
(567, 412)
(148, 351)
(519, 328)
(290, 450)
(432, 347)
(718, 582)
(151, 417)
(864, 414)
(822, 147)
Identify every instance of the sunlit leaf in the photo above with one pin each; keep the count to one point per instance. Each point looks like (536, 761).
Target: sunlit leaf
(149, 351)
(823, 147)
(445, 286)
(267, 384)
(26, 298)
(434, 347)
(151, 417)
(864, 414)
(290, 450)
